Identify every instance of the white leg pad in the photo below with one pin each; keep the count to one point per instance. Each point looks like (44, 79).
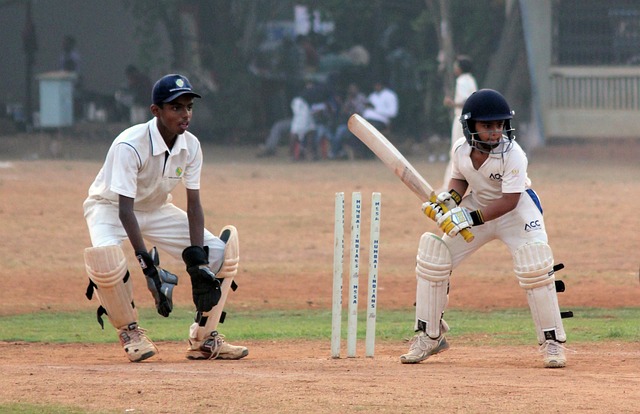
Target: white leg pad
(208, 321)
(107, 268)
(433, 270)
(533, 265)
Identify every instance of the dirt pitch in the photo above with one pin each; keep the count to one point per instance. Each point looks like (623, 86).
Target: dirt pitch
(284, 213)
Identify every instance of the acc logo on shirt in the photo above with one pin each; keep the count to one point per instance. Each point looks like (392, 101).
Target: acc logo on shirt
(495, 177)
(532, 225)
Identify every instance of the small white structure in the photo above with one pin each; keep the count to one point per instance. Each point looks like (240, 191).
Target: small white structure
(56, 99)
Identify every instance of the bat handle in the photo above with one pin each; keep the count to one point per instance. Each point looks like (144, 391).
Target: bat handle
(467, 235)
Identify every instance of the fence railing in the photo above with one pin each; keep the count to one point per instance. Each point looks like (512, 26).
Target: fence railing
(595, 88)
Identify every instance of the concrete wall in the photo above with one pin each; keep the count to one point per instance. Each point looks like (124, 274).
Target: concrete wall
(576, 102)
(104, 33)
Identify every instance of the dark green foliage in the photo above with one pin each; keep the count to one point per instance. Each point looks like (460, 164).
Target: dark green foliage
(230, 33)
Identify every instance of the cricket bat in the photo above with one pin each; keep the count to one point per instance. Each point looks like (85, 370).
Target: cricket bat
(395, 161)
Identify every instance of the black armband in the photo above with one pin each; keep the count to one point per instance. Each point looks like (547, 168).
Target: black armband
(455, 196)
(477, 218)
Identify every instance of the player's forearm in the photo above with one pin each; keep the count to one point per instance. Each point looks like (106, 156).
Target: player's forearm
(500, 207)
(130, 223)
(195, 214)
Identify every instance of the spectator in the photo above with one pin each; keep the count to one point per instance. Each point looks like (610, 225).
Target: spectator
(69, 61)
(324, 108)
(381, 108)
(303, 127)
(354, 103)
(70, 57)
(465, 86)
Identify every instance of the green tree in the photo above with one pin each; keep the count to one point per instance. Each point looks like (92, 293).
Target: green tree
(227, 34)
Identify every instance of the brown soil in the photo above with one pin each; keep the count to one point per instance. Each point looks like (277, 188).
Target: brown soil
(284, 213)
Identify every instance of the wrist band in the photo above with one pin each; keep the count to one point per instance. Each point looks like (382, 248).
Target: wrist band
(477, 218)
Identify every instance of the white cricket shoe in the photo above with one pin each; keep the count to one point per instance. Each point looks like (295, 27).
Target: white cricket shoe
(553, 354)
(215, 347)
(135, 343)
(422, 347)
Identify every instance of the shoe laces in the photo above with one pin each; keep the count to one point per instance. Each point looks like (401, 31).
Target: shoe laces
(554, 348)
(213, 344)
(133, 335)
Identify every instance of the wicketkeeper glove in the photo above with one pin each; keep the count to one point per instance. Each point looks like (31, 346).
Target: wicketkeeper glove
(160, 282)
(205, 287)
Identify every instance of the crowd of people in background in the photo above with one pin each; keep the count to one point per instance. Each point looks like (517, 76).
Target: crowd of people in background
(385, 92)
(317, 128)
(306, 93)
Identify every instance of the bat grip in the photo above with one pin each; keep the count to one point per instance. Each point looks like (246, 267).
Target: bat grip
(467, 235)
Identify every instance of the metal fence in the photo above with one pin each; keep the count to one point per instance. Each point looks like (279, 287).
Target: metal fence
(601, 88)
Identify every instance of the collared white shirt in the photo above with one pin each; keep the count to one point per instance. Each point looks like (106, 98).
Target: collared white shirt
(140, 165)
(500, 173)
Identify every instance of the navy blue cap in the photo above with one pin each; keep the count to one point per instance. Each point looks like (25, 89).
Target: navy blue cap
(169, 87)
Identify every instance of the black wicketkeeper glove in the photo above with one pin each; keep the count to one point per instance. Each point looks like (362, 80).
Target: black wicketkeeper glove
(160, 282)
(205, 288)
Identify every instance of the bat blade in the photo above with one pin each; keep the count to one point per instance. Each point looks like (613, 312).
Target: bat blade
(395, 161)
(390, 156)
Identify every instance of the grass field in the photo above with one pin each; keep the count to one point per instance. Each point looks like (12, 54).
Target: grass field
(505, 326)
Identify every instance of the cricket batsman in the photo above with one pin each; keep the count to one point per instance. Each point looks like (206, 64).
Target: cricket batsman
(490, 170)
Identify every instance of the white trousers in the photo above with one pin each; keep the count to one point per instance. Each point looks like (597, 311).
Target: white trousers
(167, 228)
(522, 225)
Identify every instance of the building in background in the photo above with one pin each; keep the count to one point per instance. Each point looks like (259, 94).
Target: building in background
(584, 63)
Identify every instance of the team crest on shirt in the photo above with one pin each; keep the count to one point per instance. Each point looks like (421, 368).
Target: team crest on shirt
(179, 172)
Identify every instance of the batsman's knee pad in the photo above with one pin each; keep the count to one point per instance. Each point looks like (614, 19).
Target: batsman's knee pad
(433, 270)
(533, 265)
(107, 269)
(206, 322)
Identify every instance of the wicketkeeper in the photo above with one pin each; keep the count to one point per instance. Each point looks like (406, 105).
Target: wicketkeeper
(490, 169)
(130, 198)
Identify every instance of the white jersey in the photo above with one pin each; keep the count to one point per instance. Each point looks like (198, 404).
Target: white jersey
(139, 165)
(500, 173)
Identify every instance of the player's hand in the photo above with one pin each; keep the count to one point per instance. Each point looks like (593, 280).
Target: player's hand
(205, 287)
(438, 205)
(432, 209)
(160, 282)
(455, 220)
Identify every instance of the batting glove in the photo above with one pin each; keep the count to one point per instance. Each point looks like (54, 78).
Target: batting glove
(458, 219)
(438, 205)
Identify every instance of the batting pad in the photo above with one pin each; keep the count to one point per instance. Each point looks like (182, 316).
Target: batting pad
(533, 265)
(433, 270)
(229, 269)
(107, 268)
(208, 321)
